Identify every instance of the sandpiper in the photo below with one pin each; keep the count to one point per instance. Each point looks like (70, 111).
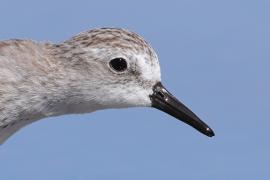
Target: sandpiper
(97, 69)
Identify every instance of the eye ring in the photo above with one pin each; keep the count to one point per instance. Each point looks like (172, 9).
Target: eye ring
(118, 65)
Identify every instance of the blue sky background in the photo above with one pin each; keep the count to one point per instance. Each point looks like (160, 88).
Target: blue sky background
(214, 56)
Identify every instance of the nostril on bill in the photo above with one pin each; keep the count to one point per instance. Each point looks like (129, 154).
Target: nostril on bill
(160, 94)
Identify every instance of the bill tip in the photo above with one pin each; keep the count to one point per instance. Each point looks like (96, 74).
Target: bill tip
(209, 132)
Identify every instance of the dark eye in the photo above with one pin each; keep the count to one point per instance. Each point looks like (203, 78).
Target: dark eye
(118, 64)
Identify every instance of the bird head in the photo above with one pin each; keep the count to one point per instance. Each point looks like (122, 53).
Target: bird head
(117, 69)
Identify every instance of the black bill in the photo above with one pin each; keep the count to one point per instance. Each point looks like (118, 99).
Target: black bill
(165, 101)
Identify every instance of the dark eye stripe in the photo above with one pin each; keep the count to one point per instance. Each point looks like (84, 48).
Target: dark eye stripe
(118, 64)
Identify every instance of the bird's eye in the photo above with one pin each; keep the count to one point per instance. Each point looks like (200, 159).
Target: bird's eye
(118, 64)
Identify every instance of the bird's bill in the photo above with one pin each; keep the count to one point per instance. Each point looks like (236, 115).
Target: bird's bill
(165, 101)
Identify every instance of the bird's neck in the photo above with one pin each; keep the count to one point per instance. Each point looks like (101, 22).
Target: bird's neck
(40, 85)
